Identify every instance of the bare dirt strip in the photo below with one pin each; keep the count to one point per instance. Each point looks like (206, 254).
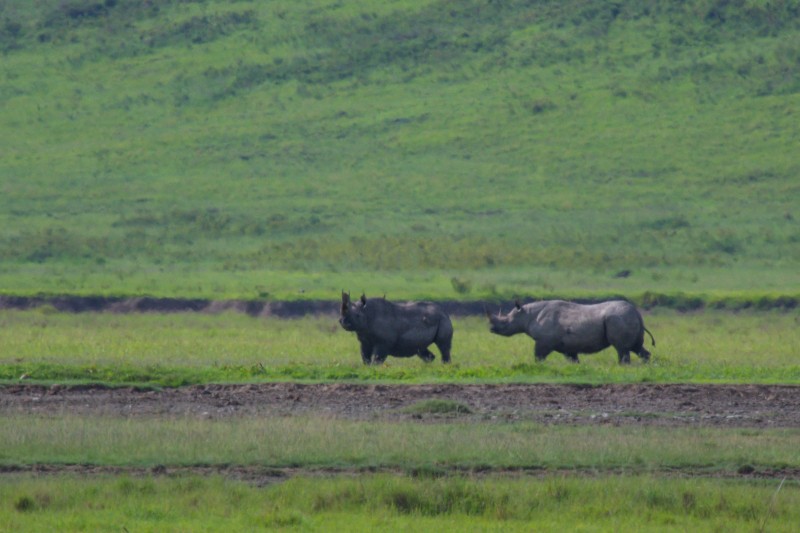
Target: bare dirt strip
(625, 405)
(757, 406)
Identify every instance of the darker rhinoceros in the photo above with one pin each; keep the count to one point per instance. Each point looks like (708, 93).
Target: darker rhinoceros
(572, 329)
(403, 330)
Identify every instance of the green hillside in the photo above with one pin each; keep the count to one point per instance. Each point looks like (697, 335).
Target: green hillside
(426, 148)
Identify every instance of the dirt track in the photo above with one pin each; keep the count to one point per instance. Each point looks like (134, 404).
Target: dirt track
(761, 406)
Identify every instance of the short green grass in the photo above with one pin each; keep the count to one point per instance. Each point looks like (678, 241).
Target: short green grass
(183, 348)
(319, 442)
(381, 502)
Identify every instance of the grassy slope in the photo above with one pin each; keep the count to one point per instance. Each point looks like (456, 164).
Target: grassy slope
(248, 149)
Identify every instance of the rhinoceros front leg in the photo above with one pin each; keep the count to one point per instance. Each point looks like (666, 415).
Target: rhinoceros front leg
(541, 350)
(366, 353)
(379, 355)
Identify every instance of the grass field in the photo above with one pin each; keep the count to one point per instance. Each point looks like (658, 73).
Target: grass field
(371, 503)
(183, 348)
(319, 442)
(586, 478)
(421, 149)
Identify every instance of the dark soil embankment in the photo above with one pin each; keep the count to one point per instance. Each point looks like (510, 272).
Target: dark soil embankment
(262, 476)
(297, 308)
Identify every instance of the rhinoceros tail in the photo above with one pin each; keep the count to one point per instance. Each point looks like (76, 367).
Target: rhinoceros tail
(652, 340)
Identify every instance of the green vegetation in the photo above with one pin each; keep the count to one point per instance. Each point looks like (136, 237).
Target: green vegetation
(262, 150)
(320, 442)
(185, 348)
(381, 502)
(426, 149)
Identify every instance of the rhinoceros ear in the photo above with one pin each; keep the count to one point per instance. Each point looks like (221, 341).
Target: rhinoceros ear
(363, 299)
(517, 304)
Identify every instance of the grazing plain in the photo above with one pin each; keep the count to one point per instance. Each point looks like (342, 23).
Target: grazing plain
(340, 450)
(191, 348)
(426, 149)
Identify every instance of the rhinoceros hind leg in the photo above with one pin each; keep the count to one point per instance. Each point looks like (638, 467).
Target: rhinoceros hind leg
(444, 346)
(572, 358)
(644, 355)
(426, 355)
(624, 357)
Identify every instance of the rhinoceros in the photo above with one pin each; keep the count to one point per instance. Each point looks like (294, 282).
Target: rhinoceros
(571, 328)
(403, 330)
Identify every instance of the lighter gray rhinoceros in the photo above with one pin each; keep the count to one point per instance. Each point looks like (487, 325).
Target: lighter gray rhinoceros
(572, 329)
(403, 330)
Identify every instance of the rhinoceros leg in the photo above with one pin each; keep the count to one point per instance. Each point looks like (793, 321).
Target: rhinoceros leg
(366, 353)
(541, 351)
(572, 357)
(444, 339)
(444, 347)
(640, 350)
(379, 355)
(426, 355)
(643, 354)
(621, 333)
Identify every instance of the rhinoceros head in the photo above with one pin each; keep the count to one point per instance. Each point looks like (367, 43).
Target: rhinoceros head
(510, 324)
(352, 317)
